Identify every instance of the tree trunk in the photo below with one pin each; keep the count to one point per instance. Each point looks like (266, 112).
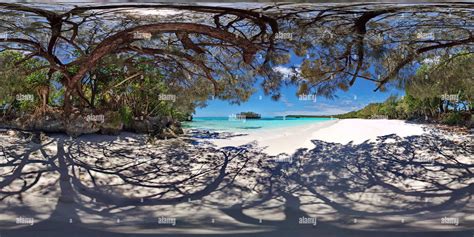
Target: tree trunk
(67, 106)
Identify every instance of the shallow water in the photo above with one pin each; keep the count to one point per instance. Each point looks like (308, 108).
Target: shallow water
(226, 124)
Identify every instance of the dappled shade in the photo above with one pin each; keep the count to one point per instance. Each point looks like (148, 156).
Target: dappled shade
(124, 177)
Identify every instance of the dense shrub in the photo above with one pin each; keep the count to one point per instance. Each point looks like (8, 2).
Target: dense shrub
(453, 118)
(126, 115)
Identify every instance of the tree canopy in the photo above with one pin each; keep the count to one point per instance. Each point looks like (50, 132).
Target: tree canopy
(198, 52)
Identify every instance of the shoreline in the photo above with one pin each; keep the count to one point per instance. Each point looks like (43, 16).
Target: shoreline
(327, 168)
(274, 141)
(289, 139)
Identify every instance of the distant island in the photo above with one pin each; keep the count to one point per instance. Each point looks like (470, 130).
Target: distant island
(249, 115)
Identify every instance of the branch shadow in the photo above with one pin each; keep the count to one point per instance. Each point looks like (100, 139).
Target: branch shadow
(118, 185)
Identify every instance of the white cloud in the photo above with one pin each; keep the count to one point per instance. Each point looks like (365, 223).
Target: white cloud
(340, 107)
(154, 12)
(285, 101)
(286, 71)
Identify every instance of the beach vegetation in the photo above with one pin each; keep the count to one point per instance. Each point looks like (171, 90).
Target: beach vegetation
(249, 115)
(438, 92)
(98, 59)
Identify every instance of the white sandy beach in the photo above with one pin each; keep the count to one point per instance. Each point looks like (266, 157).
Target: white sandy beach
(199, 187)
(288, 140)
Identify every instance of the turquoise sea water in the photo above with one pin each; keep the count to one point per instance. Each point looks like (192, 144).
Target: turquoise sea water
(231, 125)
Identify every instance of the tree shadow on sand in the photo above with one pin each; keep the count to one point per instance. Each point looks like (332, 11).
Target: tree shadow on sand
(123, 185)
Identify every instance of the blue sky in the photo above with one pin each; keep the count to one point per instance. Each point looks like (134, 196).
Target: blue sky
(357, 97)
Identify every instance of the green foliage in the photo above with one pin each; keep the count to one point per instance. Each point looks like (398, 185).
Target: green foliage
(126, 115)
(20, 75)
(449, 75)
(25, 106)
(180, 116)
(115, 118)
(57, 96)
(110, 87)
(250, 115)
(137, 88)
(454, 118)
(425, 91)
(409, 107)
